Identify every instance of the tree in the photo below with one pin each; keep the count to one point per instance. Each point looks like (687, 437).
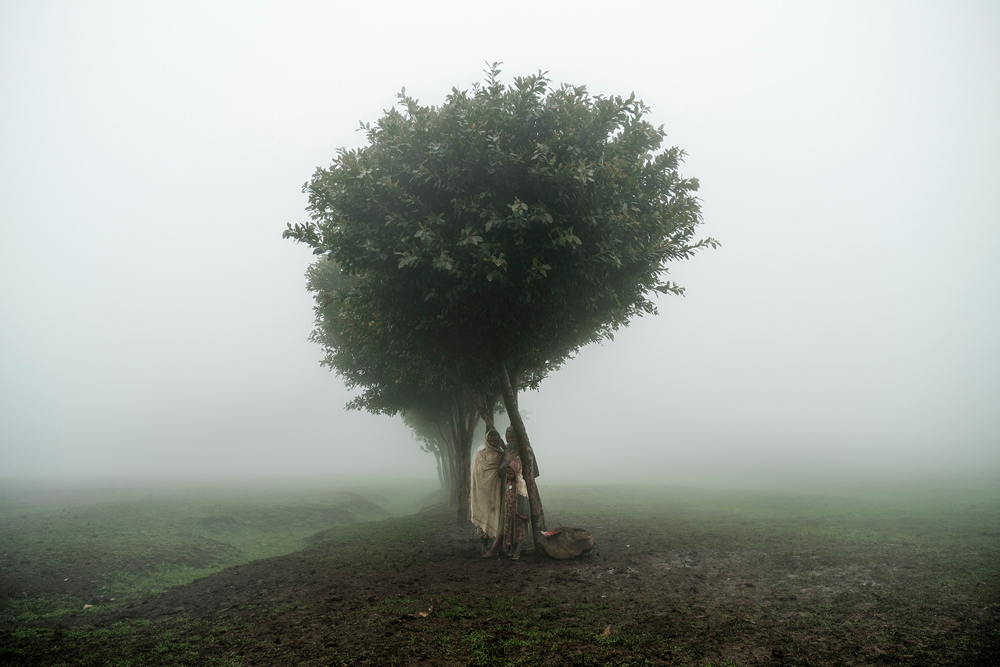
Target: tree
(508, 227)
(396, 377)
(436, 438)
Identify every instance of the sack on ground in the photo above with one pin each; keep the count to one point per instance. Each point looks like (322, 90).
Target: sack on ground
(563, 542)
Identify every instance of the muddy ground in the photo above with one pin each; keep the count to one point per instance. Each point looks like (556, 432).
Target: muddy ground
(635, 599)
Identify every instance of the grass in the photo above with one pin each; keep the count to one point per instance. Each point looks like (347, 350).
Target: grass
(910, 557)
(102, 548)
(906, 568)
(395, 543)
(105, 547)
(123, 644)
(946, 532)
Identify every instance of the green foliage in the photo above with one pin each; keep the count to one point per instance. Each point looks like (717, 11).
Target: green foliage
(479, 244)
(509, 225)
(364, 349)
(396, 374)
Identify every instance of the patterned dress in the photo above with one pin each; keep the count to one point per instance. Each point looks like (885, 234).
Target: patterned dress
(515, 528)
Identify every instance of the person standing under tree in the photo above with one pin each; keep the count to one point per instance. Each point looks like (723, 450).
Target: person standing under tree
(515, 507)
(486, 492)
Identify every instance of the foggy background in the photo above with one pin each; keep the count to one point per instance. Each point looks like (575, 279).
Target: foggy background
(153, 322)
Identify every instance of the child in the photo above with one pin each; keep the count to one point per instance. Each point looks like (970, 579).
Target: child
(515, 509)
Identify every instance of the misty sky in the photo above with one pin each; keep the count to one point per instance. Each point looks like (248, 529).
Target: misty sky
(153, 321)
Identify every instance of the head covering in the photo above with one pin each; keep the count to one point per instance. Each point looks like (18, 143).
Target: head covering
(499, 442)
(514, 449)
(515, 465)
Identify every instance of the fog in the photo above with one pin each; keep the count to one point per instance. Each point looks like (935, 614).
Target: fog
(154, 323)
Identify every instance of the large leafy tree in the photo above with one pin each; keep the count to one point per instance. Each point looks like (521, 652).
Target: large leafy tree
(507, 227)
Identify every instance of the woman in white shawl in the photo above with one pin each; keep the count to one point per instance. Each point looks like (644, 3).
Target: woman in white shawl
(486, 491)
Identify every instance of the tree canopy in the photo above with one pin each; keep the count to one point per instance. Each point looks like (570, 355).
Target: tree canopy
(396, 376)
(504, 229)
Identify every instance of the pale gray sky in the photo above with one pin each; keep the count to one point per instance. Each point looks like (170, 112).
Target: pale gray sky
(153, 321)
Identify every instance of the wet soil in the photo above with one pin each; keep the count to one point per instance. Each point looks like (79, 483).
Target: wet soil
(665, 606)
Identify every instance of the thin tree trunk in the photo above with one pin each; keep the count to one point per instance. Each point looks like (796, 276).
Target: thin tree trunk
(443, 479)
(466, 416)
(526, 452)
(455, 451)
(442, 476)
(455, 497)
(445, 437)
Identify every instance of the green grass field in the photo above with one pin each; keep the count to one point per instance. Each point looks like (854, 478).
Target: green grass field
(868, 570)
(101, 545)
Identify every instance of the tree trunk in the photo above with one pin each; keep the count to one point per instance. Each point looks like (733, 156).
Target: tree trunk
(466, 417)
(440, 459)
(526, 452)
(443, 478)
(455, 496)
(446, 437)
